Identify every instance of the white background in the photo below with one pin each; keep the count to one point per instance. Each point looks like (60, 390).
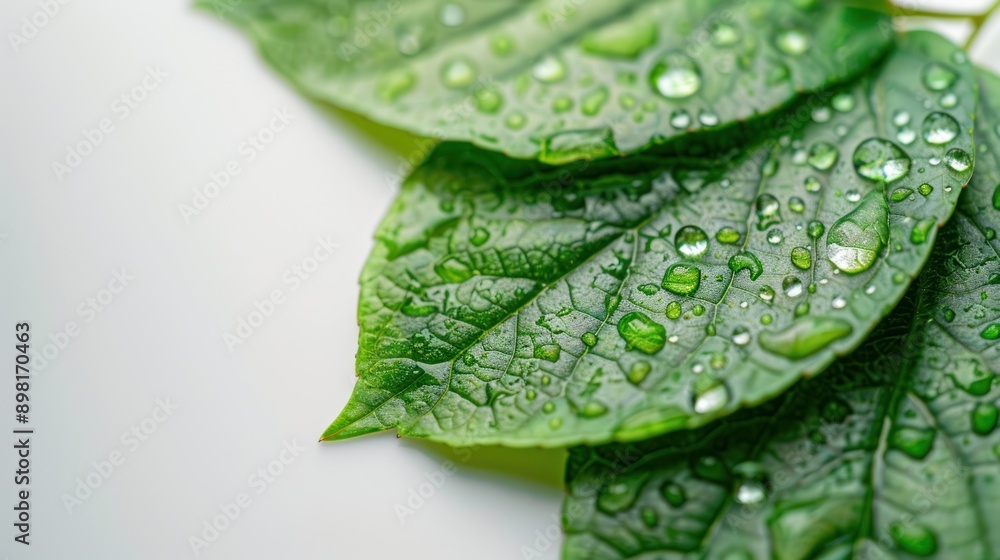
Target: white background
(326, 175)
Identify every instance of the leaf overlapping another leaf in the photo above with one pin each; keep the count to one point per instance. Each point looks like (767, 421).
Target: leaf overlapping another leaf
(557, 80)
(893, 453)
(514, 303)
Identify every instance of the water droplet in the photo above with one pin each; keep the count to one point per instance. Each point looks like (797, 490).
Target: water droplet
(548, 408)
(802, 258)
(991, 332)
(682, 279)
(900, 118)
(593, 409)
(843, 102)
(638, 372)
(591, 103)
(853, 195)
(900, 194)
(530, 395)
(792, 286)
(673, 310)
(906, 136)
(812, 184)
(458, 73)
(822, 156)
(724, 34)
(822, 114)
(555, 423)
(691, 241)
(775, 237)
(746, 261)
(712, 399)
(626, 38)
(452, 15)
(698, 310)
(797, 205)
(650, 517)
(411, 39)
(815, 229)
(548, 352)
(855, 241)
(674, 494)
(766, 293)
(839, 302)
(921, 230)
(589, 338)
(948, 100)
(708, 118)
(915, 442)
(939, 128)
(881, 161)
(741, 336)
(488, 100)
(792, 41)
(984, 418)
(729, 236)
(938, 77)
(516, 120)
(925, 189)
(502, 45)
(620, 494)
(642, 333)
(750, 485)
(680, 119)
(804, 337)
(452, 270)
(676, 76)
(958, 160)
(395, 84)
(479, 236)
(768, 211)
(549, 69)
(562, 103)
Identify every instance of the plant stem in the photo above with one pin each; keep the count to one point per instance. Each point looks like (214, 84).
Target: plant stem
(977, 20)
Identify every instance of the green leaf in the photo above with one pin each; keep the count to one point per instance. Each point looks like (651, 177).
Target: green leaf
(508, 302)
(558, 80)
(893, 453)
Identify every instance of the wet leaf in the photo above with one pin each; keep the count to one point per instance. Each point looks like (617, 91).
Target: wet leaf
(618, 300)
(892, 453)
(558, 80)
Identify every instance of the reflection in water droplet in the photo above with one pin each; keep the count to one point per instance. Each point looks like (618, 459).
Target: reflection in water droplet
(458, 73)
(741, 336)
(691, 241)
(939, 128)
(958, 160)
(938, 77)
(682, 279)
(768, 211)
(804, 337)
(802, 258)
(676, 76)
(713, 399)
(822, 156)
(881, 161)
(792, 286)
(638, 372)
(642, 333)
(792, 41)
(855, 241)
(549, 69)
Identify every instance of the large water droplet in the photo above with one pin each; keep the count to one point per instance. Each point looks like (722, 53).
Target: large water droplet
(691, 241)
(938, 77)
(792, 41)
(880, 160)
(676, 76)
(804, 337)
(682, 279)
(856, 240)
(642, 333)
(939, 128)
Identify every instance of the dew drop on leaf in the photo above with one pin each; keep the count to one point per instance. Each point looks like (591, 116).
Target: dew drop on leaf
(900, 118)
(822, 156)
(674, 494)
(642, 333)
(984, 418)
(855, 241)
(915, 442)
(620, 494)
(680, 119)
(880, 160)
(914, 538)
(750, 483)
(938, 77)
(675, 76)
(815, 229)
(691, 241)
(958, 160)
(768, 211)
(802, 258)
(638, 372)
(792, 41)
(682, 279)
(730, 236)
(711, 399)
(843, 102)
(939, 128)
(673, 310)
(906, 135)
(593, 409)
(804, 337)
(549, 69)
(792, 286)
(746, 261)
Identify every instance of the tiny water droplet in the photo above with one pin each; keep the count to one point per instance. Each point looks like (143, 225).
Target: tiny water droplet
(812, 184)
(673, 310)
(548, 408)
(712, 399)
(822, 156)
(797, 205)
(915, 442)
(750, 483)
(674, 494)
(589, 338)
(592, 102)
(680, 119)
(724, 34)
(839, 302)
(549, 69)
(843, 102)
(815, 229)
(766, 293)
(741, 336)
(906, 136)
(593, 409)
(708, 118)
(458, 73)
(746, 261)
(948, 100)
